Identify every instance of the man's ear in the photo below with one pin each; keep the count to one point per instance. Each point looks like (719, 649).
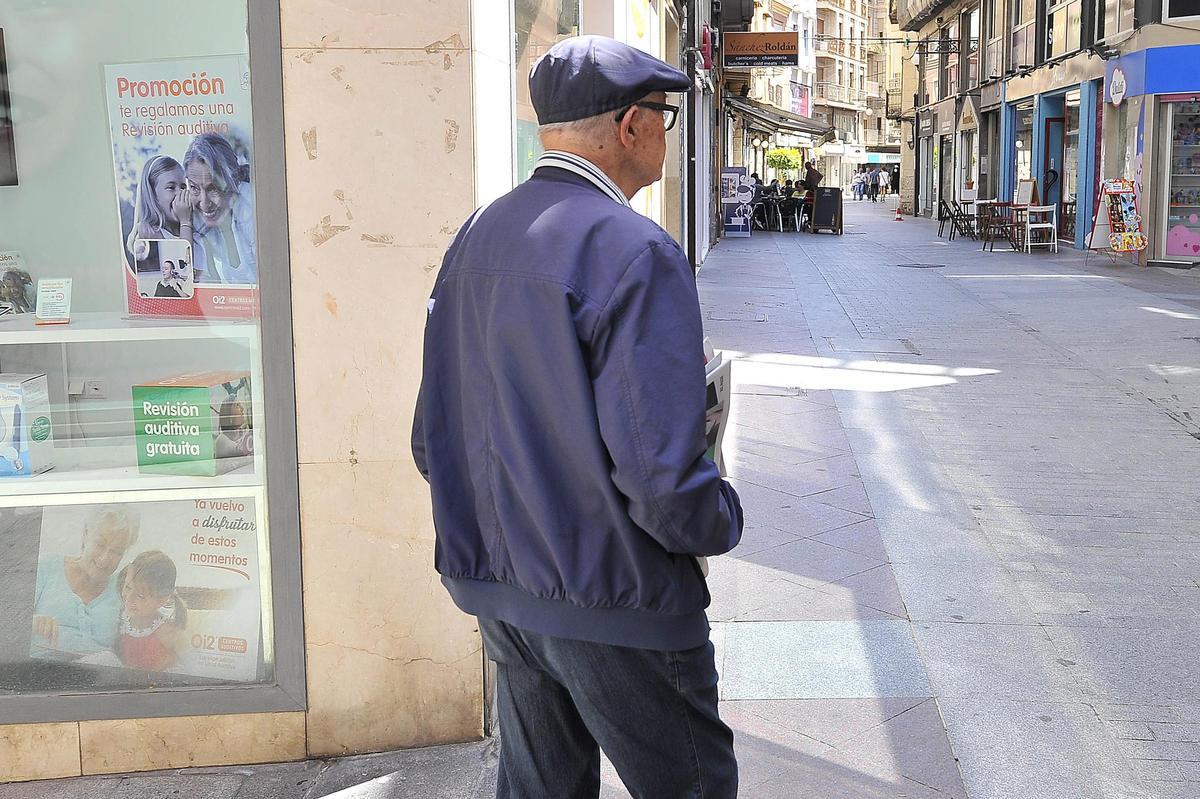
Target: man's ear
(626, 132)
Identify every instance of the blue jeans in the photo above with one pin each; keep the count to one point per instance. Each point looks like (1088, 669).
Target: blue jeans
(654, 714)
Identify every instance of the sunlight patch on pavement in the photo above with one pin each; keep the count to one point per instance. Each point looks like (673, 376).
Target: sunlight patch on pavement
(1172, 314)
(373, 789)
(1031, 277)
(819, 374)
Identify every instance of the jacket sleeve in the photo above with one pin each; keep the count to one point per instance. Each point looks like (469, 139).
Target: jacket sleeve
(649, 384)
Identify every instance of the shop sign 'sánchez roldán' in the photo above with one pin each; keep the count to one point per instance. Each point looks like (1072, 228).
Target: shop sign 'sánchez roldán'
(761, 49)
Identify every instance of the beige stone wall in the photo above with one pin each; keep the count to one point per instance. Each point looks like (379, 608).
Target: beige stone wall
(378, 120)
(378, 108)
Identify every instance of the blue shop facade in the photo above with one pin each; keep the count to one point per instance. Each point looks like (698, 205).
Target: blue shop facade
(1152, 100)
(1051, 131)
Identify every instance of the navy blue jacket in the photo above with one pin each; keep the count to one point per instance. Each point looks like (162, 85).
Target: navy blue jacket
(561, 422)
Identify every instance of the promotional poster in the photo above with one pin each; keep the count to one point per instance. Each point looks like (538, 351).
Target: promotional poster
(8, 151)
(182, 587)
(181, 137)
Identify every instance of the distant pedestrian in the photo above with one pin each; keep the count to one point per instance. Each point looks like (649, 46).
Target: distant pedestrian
(885, 183)
(561, 425)
(873, 183)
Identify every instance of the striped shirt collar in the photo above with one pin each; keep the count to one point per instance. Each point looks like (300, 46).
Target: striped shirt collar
(579, 165)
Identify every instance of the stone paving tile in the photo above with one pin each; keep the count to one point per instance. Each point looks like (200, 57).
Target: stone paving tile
(1036, 750)
(861, 537)
(812, 563)
(820, 660)
(965, 593)
(995, 660)
(1157, 665)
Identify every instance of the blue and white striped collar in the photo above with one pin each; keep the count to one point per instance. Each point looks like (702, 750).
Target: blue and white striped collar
(579, 165)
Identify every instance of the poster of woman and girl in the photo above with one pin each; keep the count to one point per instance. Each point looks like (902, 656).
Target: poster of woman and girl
(186, 198)
(111, 586)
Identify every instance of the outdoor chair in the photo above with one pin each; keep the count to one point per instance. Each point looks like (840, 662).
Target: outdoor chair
(961, 221)
(995, 222)
(1041, 221)
(945, 217)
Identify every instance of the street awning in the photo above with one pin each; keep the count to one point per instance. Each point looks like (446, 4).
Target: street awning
(777, 118)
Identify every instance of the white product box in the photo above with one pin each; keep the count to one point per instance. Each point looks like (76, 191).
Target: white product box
(26, 443)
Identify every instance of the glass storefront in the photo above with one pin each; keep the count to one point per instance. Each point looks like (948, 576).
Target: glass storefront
(539, 25)
(1024, 140)
(1181, 122)
(1070, 165)
(139, 414)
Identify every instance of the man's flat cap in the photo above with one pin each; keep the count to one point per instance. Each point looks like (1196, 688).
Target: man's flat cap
(584, 76)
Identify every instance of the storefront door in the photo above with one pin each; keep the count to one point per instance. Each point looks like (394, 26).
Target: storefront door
(946, 168)
(1051, 179)
(927, 199)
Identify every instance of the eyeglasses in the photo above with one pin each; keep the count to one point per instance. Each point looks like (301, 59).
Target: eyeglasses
(670, 112)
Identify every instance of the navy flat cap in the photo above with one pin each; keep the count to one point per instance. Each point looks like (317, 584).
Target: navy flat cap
(584, 76)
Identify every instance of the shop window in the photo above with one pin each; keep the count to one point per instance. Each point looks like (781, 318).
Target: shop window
(1181, 9)
(993, 54)
(1070, 164)
(147, 451)
(1024, 30)
(932, 83)
(1064, 26)
(949, 45)
(1114, 17)
(1024, 141)
(971, 46)
(539, 25)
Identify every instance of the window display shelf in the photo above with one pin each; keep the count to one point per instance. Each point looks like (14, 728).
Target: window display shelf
(21, 329)
(1185, 175)
(91, 469)
(127, 478)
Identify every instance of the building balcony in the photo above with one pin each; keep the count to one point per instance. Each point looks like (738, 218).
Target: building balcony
(827, 93)
(856, 7)
(911, 15)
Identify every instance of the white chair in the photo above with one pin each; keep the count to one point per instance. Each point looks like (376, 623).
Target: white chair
(1048, 222)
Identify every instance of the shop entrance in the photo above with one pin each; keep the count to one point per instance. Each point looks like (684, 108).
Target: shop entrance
(927, 175)
(946, 168)
(1051, 179)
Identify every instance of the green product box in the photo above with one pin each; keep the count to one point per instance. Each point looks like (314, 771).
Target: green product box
(194, 424)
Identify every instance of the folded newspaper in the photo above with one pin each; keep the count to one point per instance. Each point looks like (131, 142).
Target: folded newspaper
(716, 411)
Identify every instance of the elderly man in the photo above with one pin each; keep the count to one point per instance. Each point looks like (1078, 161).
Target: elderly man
(561, 427)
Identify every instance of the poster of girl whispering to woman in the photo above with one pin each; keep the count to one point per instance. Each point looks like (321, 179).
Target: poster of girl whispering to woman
(181, 137)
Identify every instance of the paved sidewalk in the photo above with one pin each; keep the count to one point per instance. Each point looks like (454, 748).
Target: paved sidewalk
(1026, 429)
(970, 563)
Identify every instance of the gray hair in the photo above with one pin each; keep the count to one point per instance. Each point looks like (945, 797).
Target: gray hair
(588, 129)
(114, 517)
